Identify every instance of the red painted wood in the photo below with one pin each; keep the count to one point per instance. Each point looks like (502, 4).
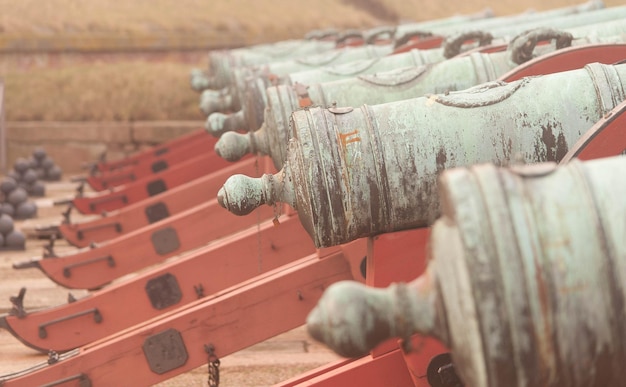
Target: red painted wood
(150, 166)
(138, 190)
(150, 153)
(566, 59)
(134, 216)
(217, 266)
(234, 319)
(421, 44)
(136, 250)
(385, 370)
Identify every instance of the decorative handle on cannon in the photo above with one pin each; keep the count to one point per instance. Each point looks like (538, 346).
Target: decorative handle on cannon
(453, 44)
(522, 47)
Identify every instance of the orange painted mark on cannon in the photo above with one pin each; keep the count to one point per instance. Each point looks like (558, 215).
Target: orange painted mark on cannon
(346, 139)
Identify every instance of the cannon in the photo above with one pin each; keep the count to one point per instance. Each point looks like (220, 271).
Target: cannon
(224, 61)
(352, 173)
(525, 284)
(232, 101)
(409, 82)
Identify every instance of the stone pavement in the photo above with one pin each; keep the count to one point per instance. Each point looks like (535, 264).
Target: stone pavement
(264, 364)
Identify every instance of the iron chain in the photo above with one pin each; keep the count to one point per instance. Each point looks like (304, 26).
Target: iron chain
(213, 366)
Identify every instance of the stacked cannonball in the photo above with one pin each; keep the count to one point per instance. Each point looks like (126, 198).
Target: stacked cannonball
(44, 165)
(10, 238)
(27, 177)
(16, 187)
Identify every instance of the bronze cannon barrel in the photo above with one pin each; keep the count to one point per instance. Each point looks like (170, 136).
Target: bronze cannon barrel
(222, 62)
(454, 74)
(352, 173)
(253, 91)
(451, 47)
(526, 283)
(231, 101)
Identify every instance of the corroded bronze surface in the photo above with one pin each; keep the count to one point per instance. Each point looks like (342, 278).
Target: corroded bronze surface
(526, 282)
(360, 172)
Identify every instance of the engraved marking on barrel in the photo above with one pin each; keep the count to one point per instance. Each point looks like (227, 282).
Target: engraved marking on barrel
(165, 241)
(165, 351)
(351, 138)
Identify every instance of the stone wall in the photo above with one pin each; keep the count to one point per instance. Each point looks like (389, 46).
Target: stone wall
(73, 144)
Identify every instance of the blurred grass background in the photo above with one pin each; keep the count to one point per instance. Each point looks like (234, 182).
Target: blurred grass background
(148, 86)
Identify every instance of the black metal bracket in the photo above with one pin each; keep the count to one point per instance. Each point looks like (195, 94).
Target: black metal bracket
(48, 249)
(67, 270)
(18, 304)
(97, 317)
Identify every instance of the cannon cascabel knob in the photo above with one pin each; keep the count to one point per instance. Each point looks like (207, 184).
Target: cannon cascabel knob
(233, 146)
(241, 194)
(212, 101)
(199, 80)
(219, 123)
(352, 318)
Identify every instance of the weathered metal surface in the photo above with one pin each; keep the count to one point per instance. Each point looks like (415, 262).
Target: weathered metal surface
(606, 138)
(252, 89)
(539, 18)
(252, 92)
(165, 351)
(356, 174)
(218, 101)
(506, 289)
(222, 61)
(451, 75)
(213, 103)
(218, 123)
